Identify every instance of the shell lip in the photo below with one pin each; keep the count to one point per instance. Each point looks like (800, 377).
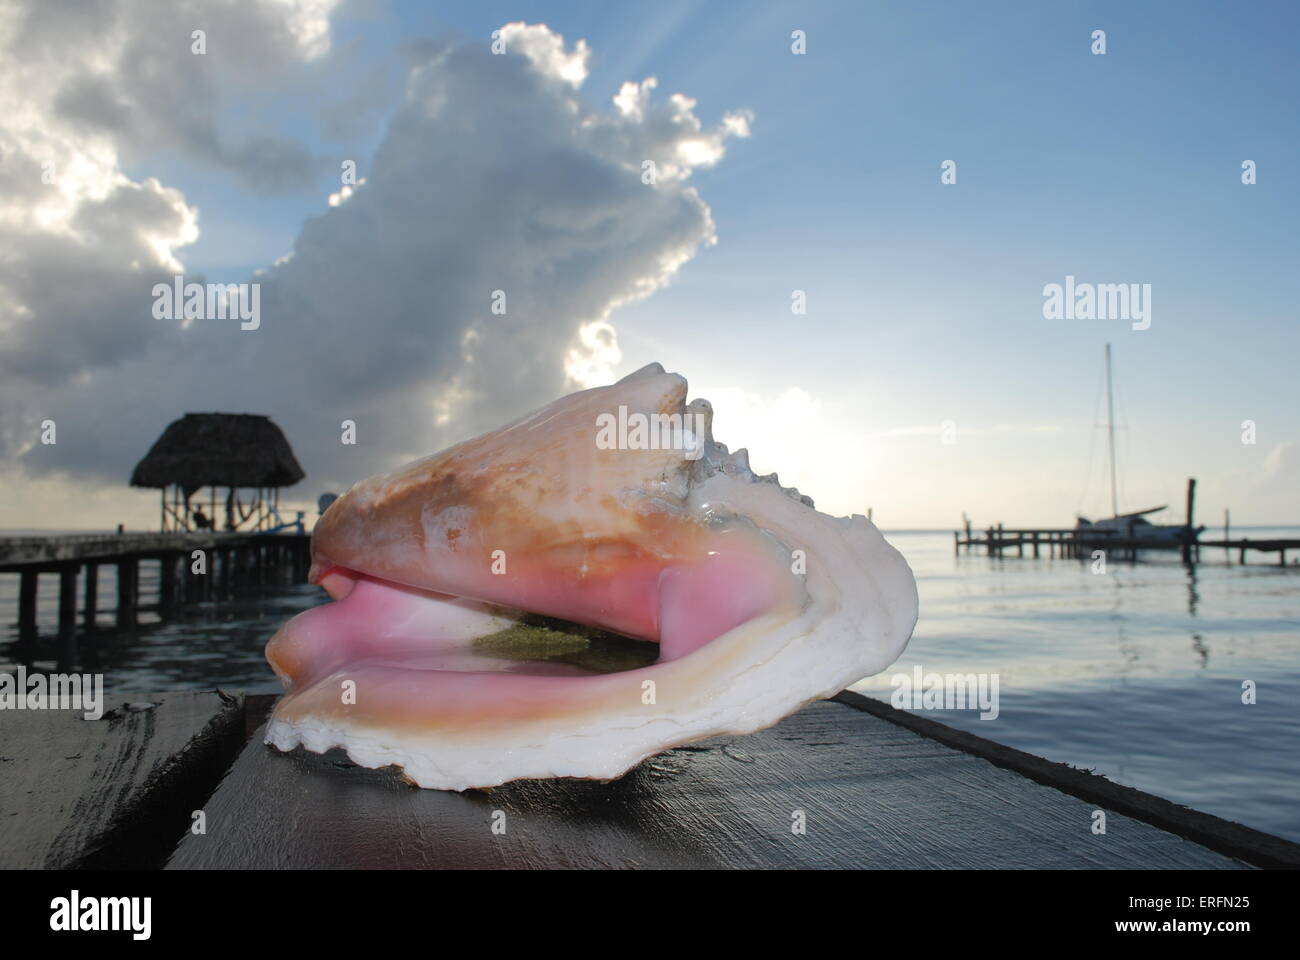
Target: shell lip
(438, 624)
(375, 622)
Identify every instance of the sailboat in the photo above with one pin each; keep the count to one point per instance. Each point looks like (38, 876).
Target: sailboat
(1132, 529)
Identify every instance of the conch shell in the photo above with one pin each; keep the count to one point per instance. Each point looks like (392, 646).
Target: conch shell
(614, 511)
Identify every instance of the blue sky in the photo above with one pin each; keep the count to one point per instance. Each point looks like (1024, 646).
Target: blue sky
(924, 300)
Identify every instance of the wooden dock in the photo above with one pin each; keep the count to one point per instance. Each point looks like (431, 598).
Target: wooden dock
(1280, 547)
(113, 792)
(1081, 542)
(874, 787)
(229, 563)
(998, 541)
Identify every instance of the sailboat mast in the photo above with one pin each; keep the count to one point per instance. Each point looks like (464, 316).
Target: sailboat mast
(1110, 429)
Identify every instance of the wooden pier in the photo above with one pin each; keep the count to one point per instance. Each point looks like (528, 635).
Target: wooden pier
(1082, 541)
(1051, 542)
(191, 567)
(877, 787)
(1280, 547)
(1065, 543)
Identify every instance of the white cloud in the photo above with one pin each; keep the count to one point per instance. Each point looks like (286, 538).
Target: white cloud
(493, 175)
(86, 88)
(546, 52)
(670, 133)
(87, 84)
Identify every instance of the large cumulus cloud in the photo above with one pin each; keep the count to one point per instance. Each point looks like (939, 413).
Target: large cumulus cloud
(496, 174)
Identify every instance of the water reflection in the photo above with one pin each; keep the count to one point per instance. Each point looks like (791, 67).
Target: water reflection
(1202, 649)
(1193, 596)
(197, 646)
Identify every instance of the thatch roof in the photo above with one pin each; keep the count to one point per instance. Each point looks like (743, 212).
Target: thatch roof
(219, 449)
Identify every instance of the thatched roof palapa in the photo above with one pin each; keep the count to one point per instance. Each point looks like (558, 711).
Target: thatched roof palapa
(219, 450)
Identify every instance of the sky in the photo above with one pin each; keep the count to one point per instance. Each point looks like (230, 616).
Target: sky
(923, 380)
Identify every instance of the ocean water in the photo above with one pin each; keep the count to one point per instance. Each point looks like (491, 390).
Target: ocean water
(1136, 673)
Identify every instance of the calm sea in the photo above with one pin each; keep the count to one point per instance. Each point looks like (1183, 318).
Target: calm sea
(1135, 673)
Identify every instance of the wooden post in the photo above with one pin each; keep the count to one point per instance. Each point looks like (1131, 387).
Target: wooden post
(1242, 558)
(27, 605)
(1227, 534)
(1035, 544)
(91, 602)
(127, 596)
(223, 585)
(167, 580)
(67, 616)
(1191, 525)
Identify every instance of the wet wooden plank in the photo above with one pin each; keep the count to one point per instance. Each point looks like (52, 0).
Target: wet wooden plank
(873, 794)
(112, 792)
(1234, 840)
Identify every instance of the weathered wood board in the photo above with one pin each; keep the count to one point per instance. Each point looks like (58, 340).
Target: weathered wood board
(112, 792)
(873, 794)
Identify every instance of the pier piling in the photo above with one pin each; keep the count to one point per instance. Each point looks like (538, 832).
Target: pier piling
(127, 575)
(167, 580)
(67, 616)
(90, 603)
(27, 606)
